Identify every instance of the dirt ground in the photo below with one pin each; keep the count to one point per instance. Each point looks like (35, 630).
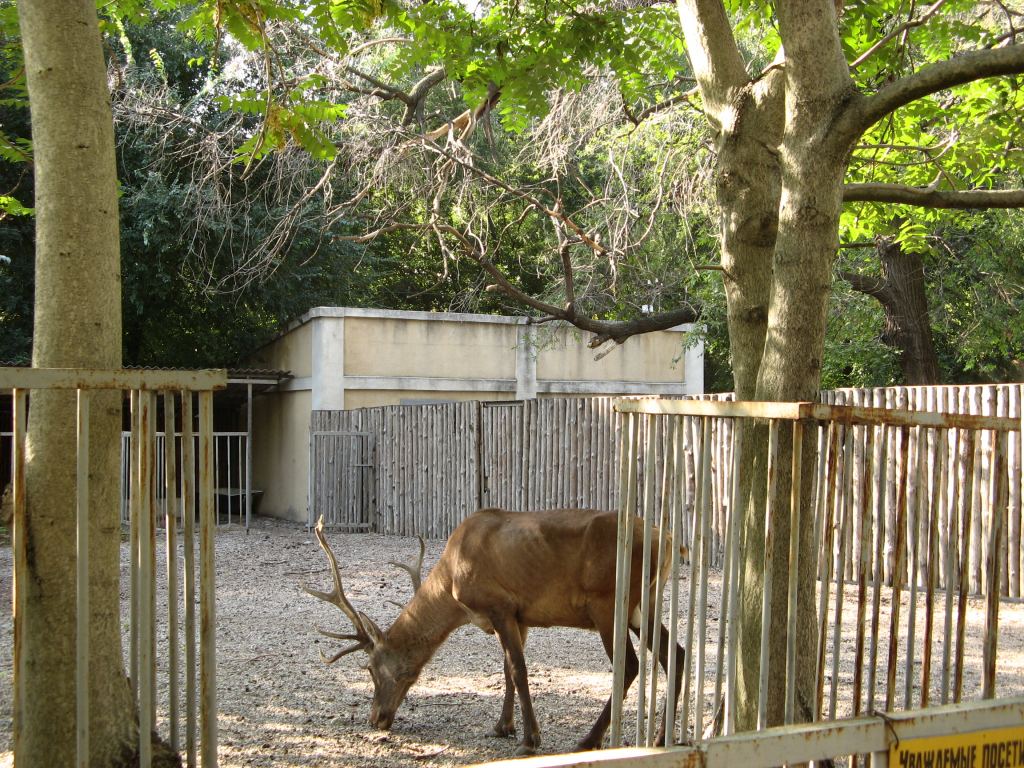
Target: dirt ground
(280, 705)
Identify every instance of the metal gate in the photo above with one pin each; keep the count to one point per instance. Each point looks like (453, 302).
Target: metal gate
(151, 632)
(342, 480)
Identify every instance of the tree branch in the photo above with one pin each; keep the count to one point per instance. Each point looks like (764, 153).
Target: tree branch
(927, 197)
(603, 330)
(712, 51)
(875, 287)
(905, 26)
(964, 68)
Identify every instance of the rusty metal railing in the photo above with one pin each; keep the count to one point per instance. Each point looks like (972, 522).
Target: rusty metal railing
(848, 531)
(143, 389)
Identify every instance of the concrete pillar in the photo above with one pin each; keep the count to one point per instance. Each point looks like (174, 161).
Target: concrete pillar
(526, 363)
(328, 380)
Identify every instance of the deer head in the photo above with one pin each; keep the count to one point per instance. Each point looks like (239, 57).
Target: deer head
(392, 668)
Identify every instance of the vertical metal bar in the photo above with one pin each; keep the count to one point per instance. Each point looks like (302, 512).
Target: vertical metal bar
(695, 544)
(188, 493)
(915, 564)
(846, 524)
(171, 540)
(949, 570)
(248, 456)
(794, 567)
(215, 472)
(207, 604)
(627, 502)
(967, 494)
(732, 590)
(825, 567)
(728, 465)
(934, 511)
(705, 559)
(864, 564)
(663, 537)
(878, 576)
(18, 544)
(82, 611)
(898, 568)
(999, 505)
(766, 596)
(310, 482)
(146, 566)
(645, 579)
(671, 689)
(135, 512)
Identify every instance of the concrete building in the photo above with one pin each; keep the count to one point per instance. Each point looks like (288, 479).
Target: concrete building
(343, 358)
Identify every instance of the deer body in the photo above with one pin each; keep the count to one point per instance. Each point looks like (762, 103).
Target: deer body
(505, 572)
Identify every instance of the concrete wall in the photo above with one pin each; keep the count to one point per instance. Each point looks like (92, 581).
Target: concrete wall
(343, 358)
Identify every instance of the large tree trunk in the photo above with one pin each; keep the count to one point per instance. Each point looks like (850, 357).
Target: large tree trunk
(901, 292)
(77, 324)
(780, 196)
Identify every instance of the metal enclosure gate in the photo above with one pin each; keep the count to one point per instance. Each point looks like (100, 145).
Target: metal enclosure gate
(342, 480)
(909, 641)
(196, 714)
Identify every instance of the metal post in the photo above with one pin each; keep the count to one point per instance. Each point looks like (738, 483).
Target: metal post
(82, 611)
(18, 544)
(627, 497)
(248, 456)
(207, 605)
(920, 502)
(663, 538)
(134, 513)
(171, 539)
(146, 581)
(645, 579)
(766, 597)
(691, 604)
(999, 505)
(188, 492)
(705, 562)
(671, 692)
(732, 588)
(794, 568)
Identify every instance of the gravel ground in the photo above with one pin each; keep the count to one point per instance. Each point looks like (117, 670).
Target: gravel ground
(280, 705)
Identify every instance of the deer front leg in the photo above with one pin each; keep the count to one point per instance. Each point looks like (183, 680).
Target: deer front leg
(508, 633)
(506, 725)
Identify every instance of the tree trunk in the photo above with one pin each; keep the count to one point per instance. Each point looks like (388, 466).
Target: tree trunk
(77, 324)
(901, 292)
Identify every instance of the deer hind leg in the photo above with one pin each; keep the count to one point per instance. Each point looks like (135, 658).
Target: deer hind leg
(506, 725)
(595, 738)
(663, 658)
(508, 632)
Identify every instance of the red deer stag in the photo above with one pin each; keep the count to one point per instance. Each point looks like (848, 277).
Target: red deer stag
(504, 572)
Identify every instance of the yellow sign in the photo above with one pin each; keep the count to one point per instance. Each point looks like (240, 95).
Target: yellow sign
(1000, 748)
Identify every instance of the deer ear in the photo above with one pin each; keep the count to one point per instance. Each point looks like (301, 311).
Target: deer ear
(371, 629)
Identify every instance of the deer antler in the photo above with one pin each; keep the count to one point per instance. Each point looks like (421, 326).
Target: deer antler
(415, 571)
(367, 633)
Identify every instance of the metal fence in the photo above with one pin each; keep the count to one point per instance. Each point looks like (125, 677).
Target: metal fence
(195, 714)
(919, 654)
(232, 476)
